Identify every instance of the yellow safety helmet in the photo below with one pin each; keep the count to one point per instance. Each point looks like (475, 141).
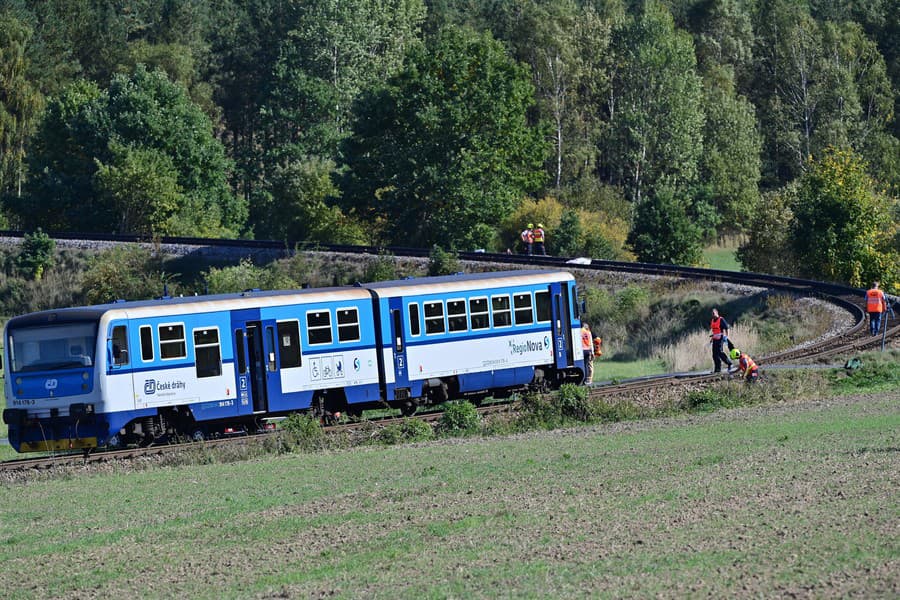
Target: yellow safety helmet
(735, 354)
(540, 226)
(530, 226)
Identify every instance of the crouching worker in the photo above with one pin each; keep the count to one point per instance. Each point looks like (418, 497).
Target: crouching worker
(748, 369)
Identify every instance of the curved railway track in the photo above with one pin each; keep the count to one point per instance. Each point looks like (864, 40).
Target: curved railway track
(851, 300)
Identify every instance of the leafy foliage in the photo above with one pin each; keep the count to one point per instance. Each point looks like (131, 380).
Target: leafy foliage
(36, 254)
(144, 131)
(126, 272)
(410, 430)
(459, 418)
(840, 221)
(244, 276)
(664, 232)
(445, 147)
(442, 262)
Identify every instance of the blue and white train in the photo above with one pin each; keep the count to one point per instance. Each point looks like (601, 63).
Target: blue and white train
(135, 372)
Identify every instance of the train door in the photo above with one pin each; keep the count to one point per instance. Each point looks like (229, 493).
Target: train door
(398, 342)
(254, 360)
(562, 328)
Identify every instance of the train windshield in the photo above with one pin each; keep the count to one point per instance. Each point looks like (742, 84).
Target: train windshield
(62, 346)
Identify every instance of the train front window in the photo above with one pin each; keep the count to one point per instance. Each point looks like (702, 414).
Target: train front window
(52, 348)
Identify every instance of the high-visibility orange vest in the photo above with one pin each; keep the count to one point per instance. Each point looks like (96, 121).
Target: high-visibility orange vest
(538, 234)
(875, 301)
(598, 343)
(716, 326)
(527, 236)
(585, 339)
(746, 363)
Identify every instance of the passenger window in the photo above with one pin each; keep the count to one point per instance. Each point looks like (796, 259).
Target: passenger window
(318, 327)
(207, 353)
(501, 313)
(434, 318)
(456, 315)
(119, 347)
(478, 313)
(289, 344)
(146, 343)
(414, 327)
(171, 342)
(522, 302)
(542, 306)
(348, 325)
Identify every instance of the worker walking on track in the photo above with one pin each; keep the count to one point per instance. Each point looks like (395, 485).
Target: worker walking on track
(587, 351)
(748, 369)
(719, 328)
(876, 305)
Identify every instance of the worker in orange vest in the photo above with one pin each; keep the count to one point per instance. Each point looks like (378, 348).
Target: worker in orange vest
(527, 236)
(539, 236)
(876, 305)
(587, 352)
(748, 369)
(598, 347)
(719, 328)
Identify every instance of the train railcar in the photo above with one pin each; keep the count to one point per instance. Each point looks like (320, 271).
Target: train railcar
(477, 335)
(135, 372)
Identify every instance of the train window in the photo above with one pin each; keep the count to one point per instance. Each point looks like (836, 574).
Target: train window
(456, 315)
(434, 318)
(146, 343)
(542, 306)
(522, 303)
(318, 327)
(348, 325)
(120, 346)
(239, 351)
(500, 310)
(171, 342)
(289, 343)
(207, 354)
(478, 312)
(414, 327)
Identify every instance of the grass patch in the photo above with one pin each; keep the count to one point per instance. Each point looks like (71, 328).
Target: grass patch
(877, 371)
(796, 498)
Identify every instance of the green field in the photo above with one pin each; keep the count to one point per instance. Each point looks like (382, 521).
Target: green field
(769, 501)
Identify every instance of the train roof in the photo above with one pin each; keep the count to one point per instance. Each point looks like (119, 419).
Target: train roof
(258, 298)
(466, 282)
(199, 304)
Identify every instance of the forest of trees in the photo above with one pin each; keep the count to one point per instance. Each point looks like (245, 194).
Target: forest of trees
(630, 129)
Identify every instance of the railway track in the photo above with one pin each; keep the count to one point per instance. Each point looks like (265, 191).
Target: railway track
(851, 300)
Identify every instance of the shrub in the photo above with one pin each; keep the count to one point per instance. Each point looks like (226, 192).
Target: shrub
(410, 430)
(459, 418)
(382, 268)
(306, 431)
(539, 411)
(572, 402)
(129, 272)
(712, 399)
(442, 262)
(36, 254)
(623, 410)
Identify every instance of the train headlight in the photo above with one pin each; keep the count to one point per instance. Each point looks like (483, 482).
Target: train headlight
(85, 375)
(18, 381)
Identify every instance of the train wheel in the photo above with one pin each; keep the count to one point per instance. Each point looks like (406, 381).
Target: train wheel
(198, 435)
(408, 408)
